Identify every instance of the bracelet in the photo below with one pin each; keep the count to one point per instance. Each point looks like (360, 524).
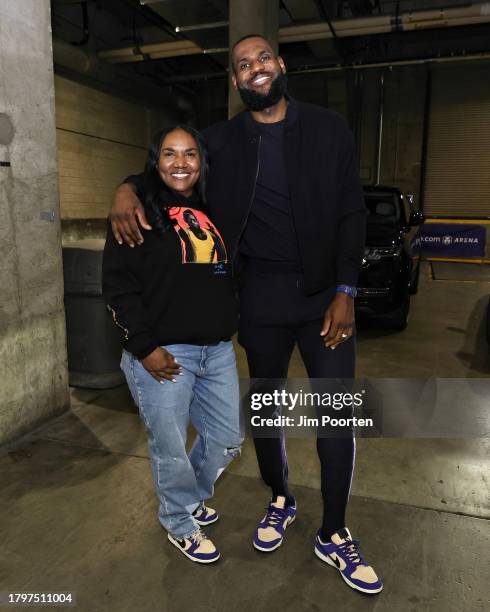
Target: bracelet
(351, 291)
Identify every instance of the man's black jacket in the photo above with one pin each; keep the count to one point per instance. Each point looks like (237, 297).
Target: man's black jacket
(326, 194)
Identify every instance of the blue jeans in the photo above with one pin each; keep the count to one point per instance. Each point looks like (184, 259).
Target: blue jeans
(207, 395)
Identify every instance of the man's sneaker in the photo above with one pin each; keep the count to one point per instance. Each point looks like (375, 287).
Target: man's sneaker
(197, 546)
(343, 553)
(205, 515)
(270, 531)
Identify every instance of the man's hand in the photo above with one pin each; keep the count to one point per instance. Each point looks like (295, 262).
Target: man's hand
(339, 320)
(126, 211)
(161, 365)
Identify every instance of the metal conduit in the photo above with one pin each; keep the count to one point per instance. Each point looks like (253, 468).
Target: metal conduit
(418, 20)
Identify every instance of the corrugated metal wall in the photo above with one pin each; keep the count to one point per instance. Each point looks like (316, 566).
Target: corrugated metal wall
(457, 179)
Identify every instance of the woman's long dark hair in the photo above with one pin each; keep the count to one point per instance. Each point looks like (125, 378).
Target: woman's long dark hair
(157, 195)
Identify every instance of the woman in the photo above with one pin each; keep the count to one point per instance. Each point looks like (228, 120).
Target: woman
(173, 299)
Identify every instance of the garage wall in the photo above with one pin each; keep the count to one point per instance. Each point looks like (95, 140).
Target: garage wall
(100, 140)
(370, 126)
(317, 88)
(404, 99)
(403, 127)
(457, 179)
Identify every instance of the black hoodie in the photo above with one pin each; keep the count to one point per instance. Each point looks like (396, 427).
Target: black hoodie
(176, 288)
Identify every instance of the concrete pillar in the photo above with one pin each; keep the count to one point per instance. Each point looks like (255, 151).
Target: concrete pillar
(251, 17)
(33, 368)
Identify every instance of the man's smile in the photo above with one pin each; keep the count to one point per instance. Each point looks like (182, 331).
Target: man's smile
(260, 79)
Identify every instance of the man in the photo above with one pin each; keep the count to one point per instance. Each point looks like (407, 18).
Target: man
(284, 191)
(199, 245)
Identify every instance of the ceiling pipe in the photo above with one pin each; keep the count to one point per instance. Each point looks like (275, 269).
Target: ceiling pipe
(79, 60)
(177, 47)
(380, 127)
(183, 78)
(163, 54)
(416, 62)
(344, 28)
(384, 21)
(384, 24)
(72, 57)
(202, 26)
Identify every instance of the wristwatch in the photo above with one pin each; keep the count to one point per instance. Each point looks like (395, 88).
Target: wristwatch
(351, 291)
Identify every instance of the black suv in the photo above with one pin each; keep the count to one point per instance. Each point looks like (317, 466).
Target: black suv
(391, 263)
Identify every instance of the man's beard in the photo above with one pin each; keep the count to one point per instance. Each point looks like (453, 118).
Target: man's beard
(257, 102)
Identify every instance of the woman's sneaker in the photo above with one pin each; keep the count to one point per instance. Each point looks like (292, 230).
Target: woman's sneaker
(270, 531)
(343, 553)
(205, 515)
(197, 547)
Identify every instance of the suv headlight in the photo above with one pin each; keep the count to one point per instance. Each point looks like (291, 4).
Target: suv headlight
(377, 253)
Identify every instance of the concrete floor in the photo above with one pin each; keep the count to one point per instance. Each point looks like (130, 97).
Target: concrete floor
(78, 510)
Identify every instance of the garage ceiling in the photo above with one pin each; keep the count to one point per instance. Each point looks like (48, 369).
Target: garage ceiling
(106, 25)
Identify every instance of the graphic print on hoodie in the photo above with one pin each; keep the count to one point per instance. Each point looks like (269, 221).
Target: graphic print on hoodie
(200, 241)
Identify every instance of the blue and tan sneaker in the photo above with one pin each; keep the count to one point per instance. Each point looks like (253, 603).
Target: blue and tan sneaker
(197, 547)
(205, 515)
(270, 531)
(343, 553)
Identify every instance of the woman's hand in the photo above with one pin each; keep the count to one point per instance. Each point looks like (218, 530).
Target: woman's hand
(126, 211)
(161, 365)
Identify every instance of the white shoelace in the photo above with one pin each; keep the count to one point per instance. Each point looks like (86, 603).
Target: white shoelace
(198, 536)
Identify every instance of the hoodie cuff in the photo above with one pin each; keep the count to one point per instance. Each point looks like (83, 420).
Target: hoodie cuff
(141, 345)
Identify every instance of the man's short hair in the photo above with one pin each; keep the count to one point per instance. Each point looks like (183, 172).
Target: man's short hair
(246, 37)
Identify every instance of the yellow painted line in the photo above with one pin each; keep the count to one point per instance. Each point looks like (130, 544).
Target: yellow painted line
(452, 280)
(464, 221)
(451, 260)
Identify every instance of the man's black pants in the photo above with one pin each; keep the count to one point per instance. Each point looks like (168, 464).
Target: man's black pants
(274, 315)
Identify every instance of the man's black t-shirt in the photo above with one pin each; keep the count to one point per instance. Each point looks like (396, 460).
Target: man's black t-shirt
(270, 232)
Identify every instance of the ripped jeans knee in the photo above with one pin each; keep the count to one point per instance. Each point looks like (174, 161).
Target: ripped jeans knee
(232, 451)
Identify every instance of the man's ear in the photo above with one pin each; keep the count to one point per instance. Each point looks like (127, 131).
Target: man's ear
(233, 80)
(282, 64)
